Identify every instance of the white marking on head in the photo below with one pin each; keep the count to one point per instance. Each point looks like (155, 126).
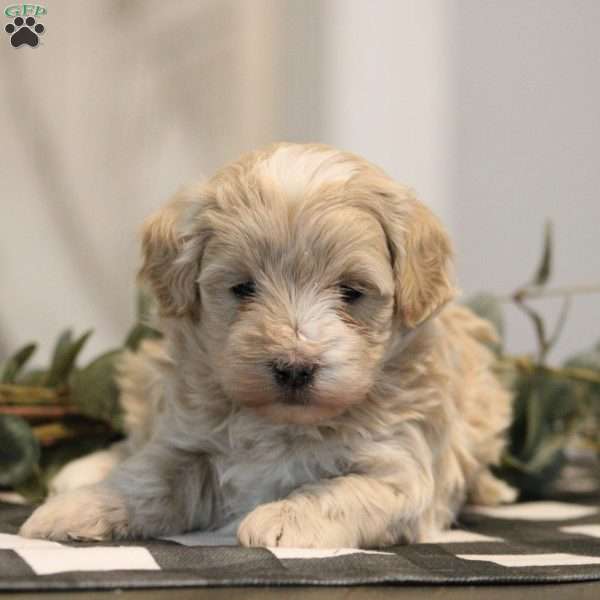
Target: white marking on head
(300, 170)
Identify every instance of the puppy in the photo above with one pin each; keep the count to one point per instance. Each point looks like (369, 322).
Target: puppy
(314, 388)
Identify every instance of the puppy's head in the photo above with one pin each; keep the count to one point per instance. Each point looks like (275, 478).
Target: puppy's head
(295, 268)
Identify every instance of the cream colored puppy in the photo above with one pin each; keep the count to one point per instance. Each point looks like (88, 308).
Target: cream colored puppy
(312, 382)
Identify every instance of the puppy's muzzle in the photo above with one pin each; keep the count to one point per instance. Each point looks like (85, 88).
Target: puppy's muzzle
(293, 376)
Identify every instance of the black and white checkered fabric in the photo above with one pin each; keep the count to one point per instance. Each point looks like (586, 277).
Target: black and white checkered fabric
(530, 542)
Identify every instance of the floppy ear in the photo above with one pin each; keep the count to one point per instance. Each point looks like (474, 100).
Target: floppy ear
(421, 256)
(173, 239)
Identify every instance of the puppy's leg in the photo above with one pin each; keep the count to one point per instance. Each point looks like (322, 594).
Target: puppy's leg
(94, 512)
(87, 470)
(487, 490)
(159, 491)
(350, 511)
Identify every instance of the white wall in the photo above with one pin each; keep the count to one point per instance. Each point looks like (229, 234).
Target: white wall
(120, 105)
(387, 90)
(526, 77)
(489, 109)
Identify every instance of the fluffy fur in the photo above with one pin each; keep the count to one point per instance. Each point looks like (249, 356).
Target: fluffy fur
(397, 428)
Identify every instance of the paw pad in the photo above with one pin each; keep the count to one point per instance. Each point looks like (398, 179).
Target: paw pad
(24, 31)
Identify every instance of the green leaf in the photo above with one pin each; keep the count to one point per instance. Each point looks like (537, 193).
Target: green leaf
(33, 488)
(531, 484)
(13, 365)
(61, 348)
(534, 416)
(588, 359)
(548, 453)
(65, 355)
(560, 323)
(487, 306)
(540, 331)
(33, 377)
(138, 333)
(544, 269)
(95, 391)
(543, 406)
(144, 305)
(19, 451)
(65, 339)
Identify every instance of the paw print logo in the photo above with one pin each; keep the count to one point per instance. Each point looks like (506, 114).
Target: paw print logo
(24, 32)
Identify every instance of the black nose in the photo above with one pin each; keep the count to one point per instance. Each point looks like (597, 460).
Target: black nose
(293, 375)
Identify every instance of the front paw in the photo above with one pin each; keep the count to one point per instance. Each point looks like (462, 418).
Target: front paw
(293, 525)
(91, 513)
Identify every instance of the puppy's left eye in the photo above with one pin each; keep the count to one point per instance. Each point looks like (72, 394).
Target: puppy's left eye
(350, 294)
(244, 290)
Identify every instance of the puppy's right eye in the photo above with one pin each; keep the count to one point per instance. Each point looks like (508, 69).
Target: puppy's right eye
(244, 290)
(350, 294)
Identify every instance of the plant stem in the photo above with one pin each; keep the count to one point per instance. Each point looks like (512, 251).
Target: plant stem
(23, 394)
(50, 433)
(527, 365)
(537, 291)
(532, 291)
(40, 412)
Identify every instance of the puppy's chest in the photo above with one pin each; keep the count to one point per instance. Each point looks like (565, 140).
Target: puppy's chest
(262, 471)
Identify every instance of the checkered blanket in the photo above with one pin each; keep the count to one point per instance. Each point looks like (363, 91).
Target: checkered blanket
(530, 542)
